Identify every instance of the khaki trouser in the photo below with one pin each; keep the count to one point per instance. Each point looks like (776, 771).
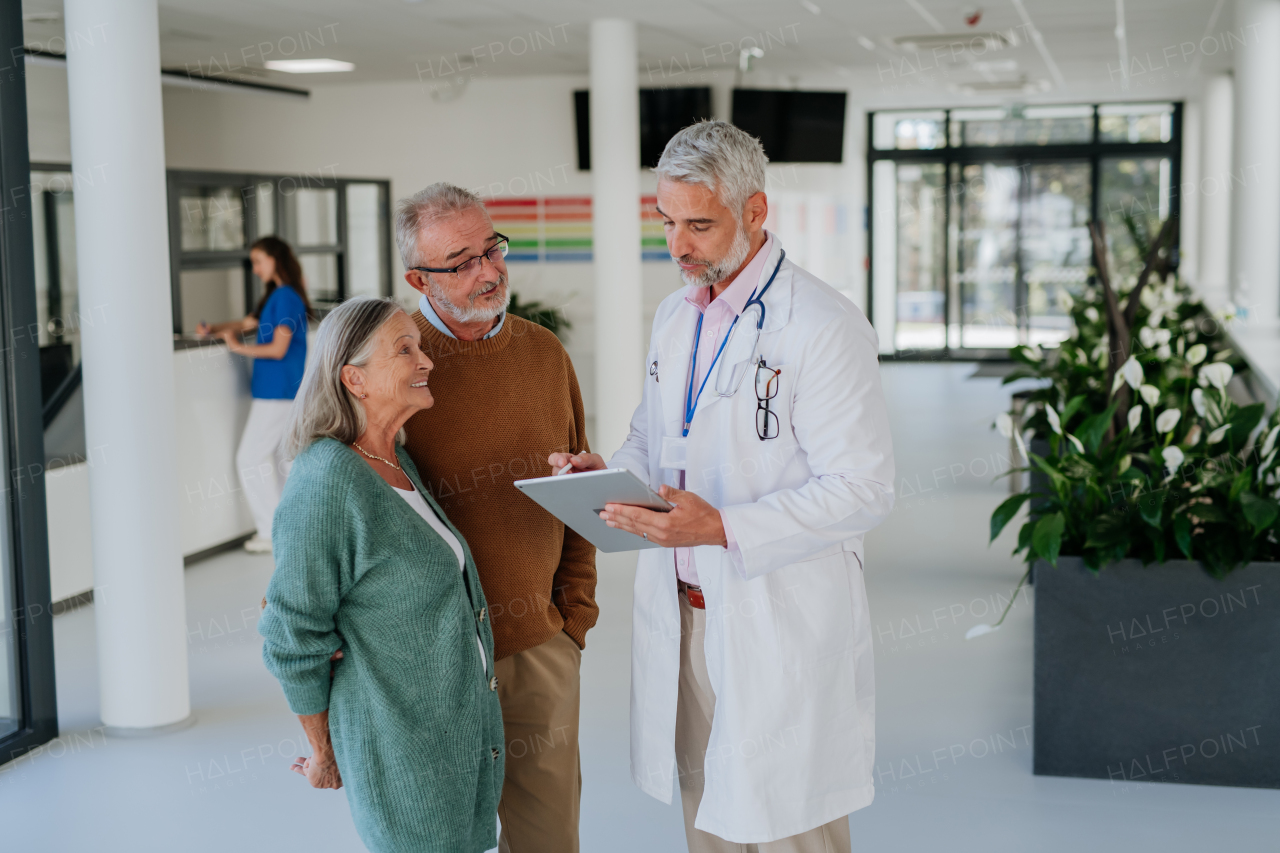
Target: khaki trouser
(538, 689)
(694, 711)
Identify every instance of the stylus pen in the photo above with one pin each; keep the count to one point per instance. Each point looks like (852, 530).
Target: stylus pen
(565, 469)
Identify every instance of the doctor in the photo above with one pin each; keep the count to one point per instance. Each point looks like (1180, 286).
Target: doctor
(763, 421)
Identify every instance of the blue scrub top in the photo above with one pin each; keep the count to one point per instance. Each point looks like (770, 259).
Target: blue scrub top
(280, 379)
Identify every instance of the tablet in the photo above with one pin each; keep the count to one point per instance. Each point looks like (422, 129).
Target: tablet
(578, 500)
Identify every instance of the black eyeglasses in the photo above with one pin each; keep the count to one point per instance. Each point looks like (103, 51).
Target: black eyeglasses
(494, 253)
(766, 389)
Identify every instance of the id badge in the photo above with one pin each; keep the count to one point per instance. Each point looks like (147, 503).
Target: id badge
(673, 452)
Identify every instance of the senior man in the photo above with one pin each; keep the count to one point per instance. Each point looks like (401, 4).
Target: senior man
(506, 396)
(763, 421)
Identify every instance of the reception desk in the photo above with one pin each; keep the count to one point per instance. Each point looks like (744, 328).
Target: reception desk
(212, 402)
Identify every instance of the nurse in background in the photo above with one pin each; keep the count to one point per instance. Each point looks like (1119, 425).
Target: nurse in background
(279, 358)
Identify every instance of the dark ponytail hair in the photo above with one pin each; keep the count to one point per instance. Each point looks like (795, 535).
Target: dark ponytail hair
(288, 270)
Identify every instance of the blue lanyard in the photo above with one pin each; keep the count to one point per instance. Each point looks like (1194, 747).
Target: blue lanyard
(690, 401)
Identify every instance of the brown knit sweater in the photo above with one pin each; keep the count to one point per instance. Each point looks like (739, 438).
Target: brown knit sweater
(502, 406)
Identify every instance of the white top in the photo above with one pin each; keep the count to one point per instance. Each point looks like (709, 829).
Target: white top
(420, 506)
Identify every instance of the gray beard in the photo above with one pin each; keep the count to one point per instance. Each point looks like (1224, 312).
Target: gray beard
(471, 313)
(718, 272)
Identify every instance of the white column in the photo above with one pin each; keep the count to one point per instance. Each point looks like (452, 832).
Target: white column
(1188, 198)
(1256, 170)
(122, 252)
(615, 176)
(1213, 188)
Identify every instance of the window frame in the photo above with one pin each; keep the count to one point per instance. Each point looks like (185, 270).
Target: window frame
(957, 157)
(180, 260)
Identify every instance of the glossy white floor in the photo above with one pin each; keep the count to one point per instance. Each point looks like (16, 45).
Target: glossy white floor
(948, 709)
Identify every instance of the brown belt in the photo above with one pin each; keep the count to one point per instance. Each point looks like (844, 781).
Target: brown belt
(693, 593)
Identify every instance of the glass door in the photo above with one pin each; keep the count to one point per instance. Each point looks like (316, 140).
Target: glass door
(986, 276)
(1055, 251)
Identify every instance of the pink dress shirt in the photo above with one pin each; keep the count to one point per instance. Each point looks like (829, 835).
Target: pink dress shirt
(717, 317)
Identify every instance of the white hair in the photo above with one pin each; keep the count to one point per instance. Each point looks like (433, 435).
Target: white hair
(725, 159)
(423, 209)
(324, 408)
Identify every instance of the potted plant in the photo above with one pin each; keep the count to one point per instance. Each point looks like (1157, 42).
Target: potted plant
(1153, 533)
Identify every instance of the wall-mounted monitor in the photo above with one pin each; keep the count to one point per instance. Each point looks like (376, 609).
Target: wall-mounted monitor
(663, 113)
(794, 127)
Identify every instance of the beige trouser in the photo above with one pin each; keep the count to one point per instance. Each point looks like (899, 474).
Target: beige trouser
(694, 711)
(538, 689)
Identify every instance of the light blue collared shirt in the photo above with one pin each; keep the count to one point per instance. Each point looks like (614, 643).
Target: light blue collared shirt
(429, 311)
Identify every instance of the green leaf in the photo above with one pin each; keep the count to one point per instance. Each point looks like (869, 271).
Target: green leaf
(1046, 539)
(1182, 535)
(1005, 513)
(1058, 481)
(1157, 543)
(1239, 484)
(1071, 408)
(1243, 422)
(1092, 428)
(1260, 511)
(1024, 536)
(1151, 506)
(1207, 512)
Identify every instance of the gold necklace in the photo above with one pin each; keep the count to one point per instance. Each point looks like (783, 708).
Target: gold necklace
(371, 456)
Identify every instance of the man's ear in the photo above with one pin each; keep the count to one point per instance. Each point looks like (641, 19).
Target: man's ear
(417, 279)
(353, 379)
(755, 212)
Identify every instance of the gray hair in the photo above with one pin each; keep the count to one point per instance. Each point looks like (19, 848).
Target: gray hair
(423, 209)
(726, 160)
(324, 408)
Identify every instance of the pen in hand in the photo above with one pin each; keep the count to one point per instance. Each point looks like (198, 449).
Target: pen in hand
(565, 470)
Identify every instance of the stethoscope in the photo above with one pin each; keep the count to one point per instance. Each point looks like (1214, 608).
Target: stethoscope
(730, 388)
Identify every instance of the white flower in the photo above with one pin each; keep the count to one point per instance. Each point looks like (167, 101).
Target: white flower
(1163, 352)
(1125, 462)
(1150, 394)
(1265, 463)
(1156, 318)
(1054, 423)
(1167, 420)
(1147, 335)
(1163, 336)
(1197, 400)
(1091, 314)
(1004, 423)
(1132, 372)
(1022, 445)
(1217, 434)
(1197, 354)
(1193, 436)
(1117, 382)
(1223, 355)
(1033, 352)
(979, 630)
(1217, 374)
(1172, 458)
(1135, 418)
(1270, 441)
(1075, 442)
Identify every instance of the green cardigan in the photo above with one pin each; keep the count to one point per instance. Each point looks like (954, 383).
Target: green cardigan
(415, 720)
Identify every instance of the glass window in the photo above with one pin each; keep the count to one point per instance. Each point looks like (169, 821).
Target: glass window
(10, 686)
(212, 296)
(909, 130)
(1135, 122)
(986, 254)
(1056, 252)
(315, 217)
(365, 248)
(320, 271)
(921, 208)
(265, 208)
(1053, 125)
(1133, 196)
(212, 219)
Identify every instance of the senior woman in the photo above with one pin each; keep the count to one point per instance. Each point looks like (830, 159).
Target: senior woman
(406, 717)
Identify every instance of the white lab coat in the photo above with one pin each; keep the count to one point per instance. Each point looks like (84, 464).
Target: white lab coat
(788, 641)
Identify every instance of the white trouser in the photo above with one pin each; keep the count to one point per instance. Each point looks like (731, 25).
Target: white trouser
(261, 465)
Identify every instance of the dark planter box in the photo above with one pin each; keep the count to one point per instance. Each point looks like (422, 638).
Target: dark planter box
(1158, 674)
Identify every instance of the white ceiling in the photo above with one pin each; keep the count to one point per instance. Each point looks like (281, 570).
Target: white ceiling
(849, 43)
